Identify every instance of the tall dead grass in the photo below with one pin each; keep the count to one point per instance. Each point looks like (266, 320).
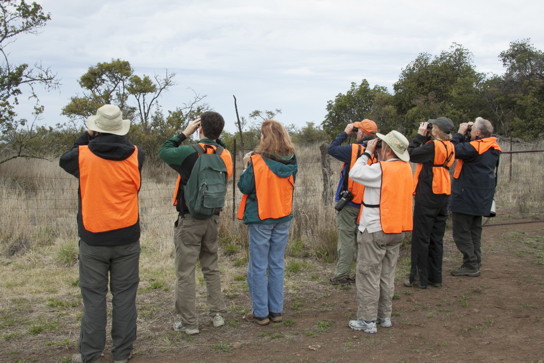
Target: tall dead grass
(39, 202)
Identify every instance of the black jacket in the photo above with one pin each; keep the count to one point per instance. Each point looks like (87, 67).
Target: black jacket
(110, 147)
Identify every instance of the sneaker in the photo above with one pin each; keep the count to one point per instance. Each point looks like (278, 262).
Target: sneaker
(385, 322)
(368, 327)
(178, 326)
(466, 271)
(416, 283)
(340, 281)
(258, 320)
(275, 317)
(218, 321)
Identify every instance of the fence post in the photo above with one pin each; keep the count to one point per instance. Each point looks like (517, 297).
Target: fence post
(326, 172)
(235, 156)
(510, 171)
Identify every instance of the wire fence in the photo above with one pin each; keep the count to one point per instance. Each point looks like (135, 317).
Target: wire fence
(41, 194)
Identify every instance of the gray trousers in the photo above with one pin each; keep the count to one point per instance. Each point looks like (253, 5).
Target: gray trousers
(376, 263)
(467, 234)
(346, 223)
(95, 263)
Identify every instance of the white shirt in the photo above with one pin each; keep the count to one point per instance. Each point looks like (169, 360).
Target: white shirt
(371, 177)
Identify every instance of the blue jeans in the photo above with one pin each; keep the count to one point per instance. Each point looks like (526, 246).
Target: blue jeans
(267, 244)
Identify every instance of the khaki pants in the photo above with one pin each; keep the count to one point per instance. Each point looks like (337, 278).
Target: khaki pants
(194, 240)
(376, 263)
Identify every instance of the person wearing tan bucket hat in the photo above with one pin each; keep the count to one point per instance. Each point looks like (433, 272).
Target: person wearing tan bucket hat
(348, 197)
(108, 168)
(386, 216)
(108, 120)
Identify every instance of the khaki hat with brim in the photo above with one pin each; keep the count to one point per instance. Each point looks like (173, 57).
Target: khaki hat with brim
(108, 120)
(397, 142)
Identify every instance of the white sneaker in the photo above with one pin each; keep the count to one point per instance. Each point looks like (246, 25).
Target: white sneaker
(368, 327)
(218, 321)
(178, 326)
(385, 322)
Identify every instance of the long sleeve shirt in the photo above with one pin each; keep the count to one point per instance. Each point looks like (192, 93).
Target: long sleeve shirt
(371, 177)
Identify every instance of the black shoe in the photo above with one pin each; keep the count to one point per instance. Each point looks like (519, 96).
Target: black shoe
(466, 271)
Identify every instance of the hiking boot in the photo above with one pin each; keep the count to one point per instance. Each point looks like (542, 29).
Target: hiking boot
(351, 278)
(275, 317)
(340, 281)
(416, 283)
(262, 321)
(368, 327)
(466, 271)
(218, 321)
(436, 284)
(178, 326)
(385, 322)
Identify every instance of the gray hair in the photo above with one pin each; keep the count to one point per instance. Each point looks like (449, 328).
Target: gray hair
(484, 126)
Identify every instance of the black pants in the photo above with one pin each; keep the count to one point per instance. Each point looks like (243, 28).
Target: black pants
(95, 264)
(467, 234)
(427, 243)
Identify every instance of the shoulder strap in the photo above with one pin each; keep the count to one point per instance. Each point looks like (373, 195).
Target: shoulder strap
(200, 150)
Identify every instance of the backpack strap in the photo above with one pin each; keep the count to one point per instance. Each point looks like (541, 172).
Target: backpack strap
(202, 150)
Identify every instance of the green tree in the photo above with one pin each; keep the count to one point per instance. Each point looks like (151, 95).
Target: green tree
(517, 98)
(307, 135)
(446, 85)
(355, 105)
(17, 18)
(17, 135)
(102, 84)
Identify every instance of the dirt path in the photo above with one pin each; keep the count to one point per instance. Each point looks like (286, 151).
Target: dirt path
(495, 317)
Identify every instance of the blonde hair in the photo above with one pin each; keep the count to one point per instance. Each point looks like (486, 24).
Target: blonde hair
(275, 140)
(439, 134)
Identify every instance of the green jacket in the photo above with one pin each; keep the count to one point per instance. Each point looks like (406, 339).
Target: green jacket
(182, 158)
(282, 168)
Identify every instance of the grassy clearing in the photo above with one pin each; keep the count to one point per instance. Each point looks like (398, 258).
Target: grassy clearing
(41, 301)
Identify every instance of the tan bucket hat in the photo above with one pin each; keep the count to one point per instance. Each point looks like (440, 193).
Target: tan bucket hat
(109, 120)
(397, 142)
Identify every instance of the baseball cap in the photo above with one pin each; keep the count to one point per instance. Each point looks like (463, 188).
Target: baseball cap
(369, 127)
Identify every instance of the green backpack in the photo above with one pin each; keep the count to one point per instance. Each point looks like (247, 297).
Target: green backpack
(207, 186)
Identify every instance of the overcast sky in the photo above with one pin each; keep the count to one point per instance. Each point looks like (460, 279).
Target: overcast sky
(292, 55)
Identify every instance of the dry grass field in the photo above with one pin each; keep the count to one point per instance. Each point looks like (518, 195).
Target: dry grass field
(495, 317)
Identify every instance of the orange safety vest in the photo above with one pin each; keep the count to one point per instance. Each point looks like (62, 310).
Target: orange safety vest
(396, 197)
(481, 146)
(225, 156)
(108, 191)
(274, 194)
(358, 190)
(444, 156)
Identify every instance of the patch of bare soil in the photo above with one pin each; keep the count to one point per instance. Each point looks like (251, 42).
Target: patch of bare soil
(495, 317)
